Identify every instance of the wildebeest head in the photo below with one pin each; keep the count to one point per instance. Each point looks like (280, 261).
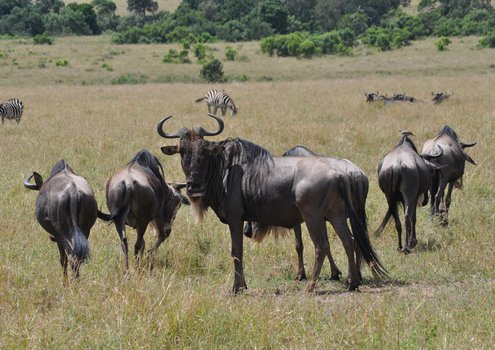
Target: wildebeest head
(195, 153)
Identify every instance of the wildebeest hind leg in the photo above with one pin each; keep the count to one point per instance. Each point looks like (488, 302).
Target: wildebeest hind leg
(139, 246)
(120, 226)
(342, 230)
(318, 233)
(162, 236)
(63, 261)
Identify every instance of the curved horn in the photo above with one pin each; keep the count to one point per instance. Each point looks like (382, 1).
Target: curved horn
(465, 145)
(221, 125)
(162, 133)
(29, 185)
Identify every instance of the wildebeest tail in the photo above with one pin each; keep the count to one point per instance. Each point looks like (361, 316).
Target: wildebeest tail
(360, 233)
(391, 193)
(125, 198)
(76, 246)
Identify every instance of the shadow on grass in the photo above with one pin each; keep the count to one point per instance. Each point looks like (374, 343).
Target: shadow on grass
(431, 245)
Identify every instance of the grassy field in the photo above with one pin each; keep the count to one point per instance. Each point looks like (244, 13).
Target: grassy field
(440, 296)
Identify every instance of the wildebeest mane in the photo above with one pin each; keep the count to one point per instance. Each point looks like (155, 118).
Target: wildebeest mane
(148, 161)
(60, 166)
(447, 130)
(243, 152)
(406, 139)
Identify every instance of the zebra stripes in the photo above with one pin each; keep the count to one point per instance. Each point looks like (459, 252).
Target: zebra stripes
(216, 99)
(11, 109)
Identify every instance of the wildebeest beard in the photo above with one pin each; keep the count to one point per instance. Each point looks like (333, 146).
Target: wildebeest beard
(198, 208)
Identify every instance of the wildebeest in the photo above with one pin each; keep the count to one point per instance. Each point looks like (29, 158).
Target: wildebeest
(450, 168)
(66, 208)
(374, 97)
(242, 181)
(359, 192)
(439, 97)
(138, 195)
(405, 177)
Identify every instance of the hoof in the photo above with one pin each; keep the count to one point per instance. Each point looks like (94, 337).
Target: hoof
(406, 251)
(353, 287)
(301, 276)
(310, 287)
(336, 276)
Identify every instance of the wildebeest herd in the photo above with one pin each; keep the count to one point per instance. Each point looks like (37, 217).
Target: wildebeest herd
(255, 193)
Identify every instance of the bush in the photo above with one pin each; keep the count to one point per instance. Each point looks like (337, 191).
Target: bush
(44, 38)
(61, 63)
(176, 57)
(307, 49)
(442, 44)
(230, 53)
(212, 71)
(487, 41)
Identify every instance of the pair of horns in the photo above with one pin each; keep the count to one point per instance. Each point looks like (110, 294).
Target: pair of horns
(198, 129)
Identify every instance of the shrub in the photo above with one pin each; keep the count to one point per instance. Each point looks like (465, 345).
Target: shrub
(176, 57)
(44, 38)
(230, 53)
(487, 41)
(129, 79)
(307, 49)
(212, 71)
(442, 44)
(61, 63)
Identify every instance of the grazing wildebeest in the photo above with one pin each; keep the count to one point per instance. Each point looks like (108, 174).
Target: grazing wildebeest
(450, 168)
(242, 181)
(66, 208)
(374, 96)
(359, 192)
(138, 195)
(405, 177)
(439, 97)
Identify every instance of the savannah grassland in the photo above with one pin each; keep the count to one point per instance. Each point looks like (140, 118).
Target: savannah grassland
(440, 296)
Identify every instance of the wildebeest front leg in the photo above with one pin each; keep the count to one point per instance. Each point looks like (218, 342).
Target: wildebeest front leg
(439, 205)
(448, 198)
(236, 253)
(301, 273)
(162, 236)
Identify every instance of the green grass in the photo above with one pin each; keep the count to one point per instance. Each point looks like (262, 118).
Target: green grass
(441, 296)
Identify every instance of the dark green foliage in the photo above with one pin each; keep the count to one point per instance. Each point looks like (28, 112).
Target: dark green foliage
(307, 45)
(212, 71)
(488, 41)
(88, 14)
(22, 21)
(140, 7)
(44, 38)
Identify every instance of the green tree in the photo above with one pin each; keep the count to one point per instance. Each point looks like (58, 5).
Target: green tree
(47, 6)
(140, 7)
(273, 12)
(89, 15)
(212, 71)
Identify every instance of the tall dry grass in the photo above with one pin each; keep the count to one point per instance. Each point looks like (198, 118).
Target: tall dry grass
(441, 296)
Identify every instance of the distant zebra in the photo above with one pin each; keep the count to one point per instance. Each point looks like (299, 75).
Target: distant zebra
(11, 109)
(219, 99)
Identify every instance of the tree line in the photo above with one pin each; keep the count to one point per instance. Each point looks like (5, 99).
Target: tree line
(287, 27)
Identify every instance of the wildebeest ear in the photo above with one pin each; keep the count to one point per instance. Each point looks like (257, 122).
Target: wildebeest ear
(170, 150)
(215, 149)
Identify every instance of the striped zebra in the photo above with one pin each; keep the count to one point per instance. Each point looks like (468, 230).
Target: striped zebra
(11, 109)
(219, 99)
